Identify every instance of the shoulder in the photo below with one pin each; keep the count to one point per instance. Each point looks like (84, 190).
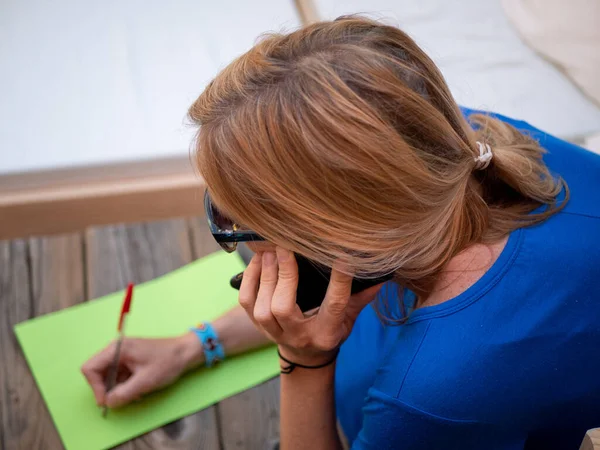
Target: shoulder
(493, 354)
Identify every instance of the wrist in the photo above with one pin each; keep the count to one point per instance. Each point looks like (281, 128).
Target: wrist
(191, 351)
(313, 381)
(315, 358)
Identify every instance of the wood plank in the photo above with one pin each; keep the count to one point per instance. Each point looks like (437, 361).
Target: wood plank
(202, 241)
(57, 272)
(19, 400)
(67, 200)
(73, 208)
(57, 282)
(113, 172)
(36, 277)
(249, 420)
(119, 254)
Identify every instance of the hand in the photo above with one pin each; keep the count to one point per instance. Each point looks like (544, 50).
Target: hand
(268, 295)
(145, 365)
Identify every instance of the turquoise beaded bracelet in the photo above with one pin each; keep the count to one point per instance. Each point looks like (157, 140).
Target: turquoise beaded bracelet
(213, 349)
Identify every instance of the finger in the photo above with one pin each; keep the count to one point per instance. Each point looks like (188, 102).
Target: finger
(361, 299)
(268, 282)
(96, 382)
(250, 283)
(95, 369)
(134, 387)
(334, 305)
(283, 306)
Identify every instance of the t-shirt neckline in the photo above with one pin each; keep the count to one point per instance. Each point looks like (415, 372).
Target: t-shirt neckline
(489, 279)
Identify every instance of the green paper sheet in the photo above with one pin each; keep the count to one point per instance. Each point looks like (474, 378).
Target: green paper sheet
(56, 345)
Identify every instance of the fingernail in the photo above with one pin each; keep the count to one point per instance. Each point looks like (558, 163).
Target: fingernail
(282, 254)
(268, 258)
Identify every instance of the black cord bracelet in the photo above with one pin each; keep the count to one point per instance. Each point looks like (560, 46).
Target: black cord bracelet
(293, 365)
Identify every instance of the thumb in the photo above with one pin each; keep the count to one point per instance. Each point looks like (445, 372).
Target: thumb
(134, 387)
(361, 299)
(338, 294)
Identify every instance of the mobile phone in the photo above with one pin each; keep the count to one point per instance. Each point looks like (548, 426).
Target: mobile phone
(313, 280)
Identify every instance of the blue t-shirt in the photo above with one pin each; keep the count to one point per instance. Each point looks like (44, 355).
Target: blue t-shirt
(512, 362)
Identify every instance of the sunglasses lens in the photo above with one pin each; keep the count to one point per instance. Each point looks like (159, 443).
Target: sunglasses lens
(224, 230)
(217, 222)
(228, 246)
(223, 223)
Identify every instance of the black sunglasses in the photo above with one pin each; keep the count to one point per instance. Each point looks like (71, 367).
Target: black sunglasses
(226, 232)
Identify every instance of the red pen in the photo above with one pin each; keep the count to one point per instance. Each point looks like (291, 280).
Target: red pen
(111, 379)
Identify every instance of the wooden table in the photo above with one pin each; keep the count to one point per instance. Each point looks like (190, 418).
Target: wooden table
(42, 275)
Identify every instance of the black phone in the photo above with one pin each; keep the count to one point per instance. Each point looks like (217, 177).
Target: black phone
(313, 280)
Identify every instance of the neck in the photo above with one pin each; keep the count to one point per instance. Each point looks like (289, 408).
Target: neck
(463, 271)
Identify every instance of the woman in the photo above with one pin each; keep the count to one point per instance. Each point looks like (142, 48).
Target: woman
(342, 143)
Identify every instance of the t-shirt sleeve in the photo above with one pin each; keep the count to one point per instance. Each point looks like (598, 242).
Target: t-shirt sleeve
(389, 423)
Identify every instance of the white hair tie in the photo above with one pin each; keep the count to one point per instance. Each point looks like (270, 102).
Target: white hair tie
(485, 156)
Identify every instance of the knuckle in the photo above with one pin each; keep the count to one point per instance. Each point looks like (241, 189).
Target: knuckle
(281, 310)
(262, 316)
(245, 301)
(287, 275)
(337, 306)
(269, 275)
(268, 278)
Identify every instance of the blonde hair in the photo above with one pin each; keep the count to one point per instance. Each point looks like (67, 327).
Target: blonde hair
(341, 141)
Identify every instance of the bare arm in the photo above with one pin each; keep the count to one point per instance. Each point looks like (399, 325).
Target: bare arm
(236, 332)
(308, 418)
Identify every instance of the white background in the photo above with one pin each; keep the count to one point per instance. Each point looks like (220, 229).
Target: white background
(84, 82)
(484, 61)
